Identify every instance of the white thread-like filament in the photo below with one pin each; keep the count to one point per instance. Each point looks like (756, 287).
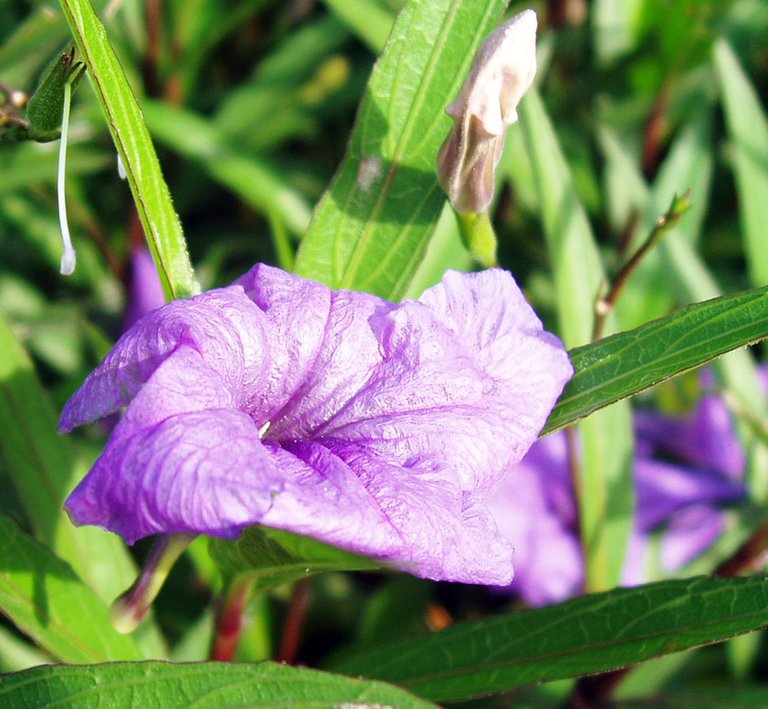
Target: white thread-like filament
(68, 258)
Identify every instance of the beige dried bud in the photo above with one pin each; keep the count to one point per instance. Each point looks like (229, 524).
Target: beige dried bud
(502, 72)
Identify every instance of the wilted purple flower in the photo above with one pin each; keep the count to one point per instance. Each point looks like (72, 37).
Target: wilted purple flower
(685, 470)
(486, 106)
(379, 428)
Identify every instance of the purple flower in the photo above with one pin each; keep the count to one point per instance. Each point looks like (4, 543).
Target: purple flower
(685, 470)
(535, 510)
(145, 291)
(379, 428)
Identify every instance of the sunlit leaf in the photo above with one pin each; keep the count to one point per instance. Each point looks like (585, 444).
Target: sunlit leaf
(628, 362)
(47, 601)
(202, 685)
(372, 227)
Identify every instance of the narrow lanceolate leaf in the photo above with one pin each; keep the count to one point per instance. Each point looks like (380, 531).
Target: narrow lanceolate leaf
(150, 192)
(204, 685)
(605, 478)
(626, 363)
(271, 557)
(372, 227)
(586, 635)
(677, 271)
(748, 131)
(47, 601)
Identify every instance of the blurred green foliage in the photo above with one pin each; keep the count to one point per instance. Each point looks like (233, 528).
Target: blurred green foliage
(251, 105)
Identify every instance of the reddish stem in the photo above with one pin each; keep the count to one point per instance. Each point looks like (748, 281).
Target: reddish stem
(297, 611)
(229, 624)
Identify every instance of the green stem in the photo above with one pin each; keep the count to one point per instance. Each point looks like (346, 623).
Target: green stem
(663, 226)
(478, 236)
(129, 609)
(134, 145)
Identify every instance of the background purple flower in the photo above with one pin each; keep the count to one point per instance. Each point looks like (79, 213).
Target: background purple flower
(379, 428)
(536, 511)
(145, 291)
(685, 470)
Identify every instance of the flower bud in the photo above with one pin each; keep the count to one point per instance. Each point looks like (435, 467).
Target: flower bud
(502, 72)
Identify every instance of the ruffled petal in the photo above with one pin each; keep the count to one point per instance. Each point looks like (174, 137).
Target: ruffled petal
(349, 352)
(204, 472)
(383, 426)
(409, 517)
(228, 330)
(298, 312)
(468, 373)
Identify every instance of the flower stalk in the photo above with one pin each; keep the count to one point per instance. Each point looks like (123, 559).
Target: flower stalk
(665, 223)
(230, 619)
(129, 610)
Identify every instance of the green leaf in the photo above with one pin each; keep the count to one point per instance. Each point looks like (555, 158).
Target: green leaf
(706, 695)
(287, 90)
(47, 601)
(42, 465)
(605, 490)
(652, 290)
(677, 270)
(43, 468)
(26, 50)
(585, 635)
(748, 131)
(371, 229)
(445, 251)
(624, 364)
(616, 27)
(247, 175)
(272, 557)
(202, 685)
(126, 123)
(370, 20)
(18, 654)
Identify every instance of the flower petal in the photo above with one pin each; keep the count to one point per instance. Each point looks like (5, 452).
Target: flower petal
(223, 325)
(412, 517)
(467, 372)
(689, 534)
(705, 440)
(535, 510)
(663, 489)
(203, 472)
(145, 291)
(298, 312)
(348, 353)
(383, 426)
